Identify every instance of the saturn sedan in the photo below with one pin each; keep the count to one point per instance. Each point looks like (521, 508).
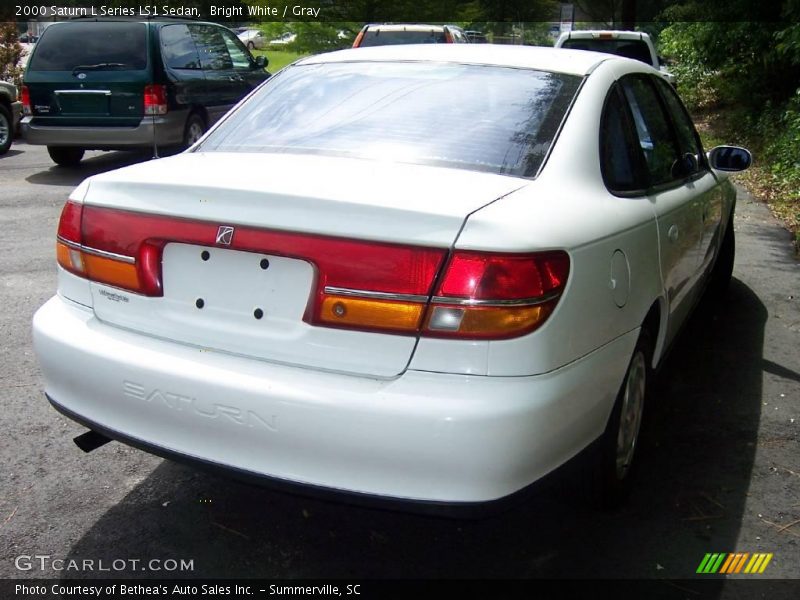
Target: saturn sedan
(430, 274)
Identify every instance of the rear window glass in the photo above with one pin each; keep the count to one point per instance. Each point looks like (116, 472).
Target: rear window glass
(635, 49)
(112, 45)
(494, 119)
(376, 37)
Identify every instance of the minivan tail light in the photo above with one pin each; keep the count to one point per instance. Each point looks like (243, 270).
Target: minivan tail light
(358, 39)
(25, 97)
(155, 99)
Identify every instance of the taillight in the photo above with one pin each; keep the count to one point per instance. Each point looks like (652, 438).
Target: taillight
(155, 99)
(448, 37)
(91, 261)
(362, 285)
(485, 295)
(358, 39)
(26, 101)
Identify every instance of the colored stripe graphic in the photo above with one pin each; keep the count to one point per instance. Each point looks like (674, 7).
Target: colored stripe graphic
(734, 563)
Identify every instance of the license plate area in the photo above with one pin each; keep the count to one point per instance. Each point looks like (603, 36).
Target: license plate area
(93, 103)
(222, 293)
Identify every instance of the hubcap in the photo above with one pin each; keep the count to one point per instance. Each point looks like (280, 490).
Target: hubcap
(5, 130)
(631, 414)
(195, 133)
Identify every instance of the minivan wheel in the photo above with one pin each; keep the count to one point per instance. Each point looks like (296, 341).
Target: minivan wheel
(65, 156)
(616, 454)
(195, 128)
(6, 129)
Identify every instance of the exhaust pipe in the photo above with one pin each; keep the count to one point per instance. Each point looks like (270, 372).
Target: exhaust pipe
(91, 440)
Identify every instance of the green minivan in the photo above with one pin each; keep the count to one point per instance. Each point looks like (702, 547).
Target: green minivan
(132, 84)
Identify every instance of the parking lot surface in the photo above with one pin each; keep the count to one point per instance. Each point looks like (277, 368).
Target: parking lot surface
(719, 471)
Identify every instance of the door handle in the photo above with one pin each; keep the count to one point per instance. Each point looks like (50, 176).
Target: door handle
(673, 234)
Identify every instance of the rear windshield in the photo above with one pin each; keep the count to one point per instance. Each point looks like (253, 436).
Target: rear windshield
(376, 37)
(494, 119)
(111, 45)
(635, 49)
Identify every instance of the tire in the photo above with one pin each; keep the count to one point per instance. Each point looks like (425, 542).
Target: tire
(194, 130)
(615, 458)
(65, 156)
(723, 268)
(6, 129)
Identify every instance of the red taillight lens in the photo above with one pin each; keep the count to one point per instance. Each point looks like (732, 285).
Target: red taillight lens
(448, 37)
(482, 276)
(493, 296)
(155, 99)
(362, 285)
(26, 101)
(358, 39)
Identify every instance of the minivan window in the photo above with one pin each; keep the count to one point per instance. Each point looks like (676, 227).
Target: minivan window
(378, 37)
(239, 56)
(102, 45)
(178, 49)
(211, 47)
(504, 121)
(635, 49)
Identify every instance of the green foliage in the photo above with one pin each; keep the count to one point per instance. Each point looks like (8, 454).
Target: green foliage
(750, 68)
(10, 53)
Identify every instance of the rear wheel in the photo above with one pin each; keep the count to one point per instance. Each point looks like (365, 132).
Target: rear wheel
(723, 268)
(65, 156)
(6, 129)
(616, 454)
(194, 130)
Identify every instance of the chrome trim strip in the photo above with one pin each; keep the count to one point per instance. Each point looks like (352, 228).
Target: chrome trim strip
(102, 92)
(496, 303)
(102, 253)
(441, 299)
(376, 295)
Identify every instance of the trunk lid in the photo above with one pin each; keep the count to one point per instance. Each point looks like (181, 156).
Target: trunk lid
(224, 298)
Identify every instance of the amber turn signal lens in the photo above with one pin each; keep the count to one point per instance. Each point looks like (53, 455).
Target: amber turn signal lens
(346, 311)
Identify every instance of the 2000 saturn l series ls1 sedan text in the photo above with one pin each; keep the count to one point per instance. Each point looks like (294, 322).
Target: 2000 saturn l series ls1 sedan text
(427, 273)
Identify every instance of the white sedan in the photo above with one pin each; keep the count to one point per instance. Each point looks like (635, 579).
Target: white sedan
(425, 273)
(252, 38)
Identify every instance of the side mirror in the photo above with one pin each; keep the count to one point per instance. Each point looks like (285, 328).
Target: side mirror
(730, 158)
(261, 62)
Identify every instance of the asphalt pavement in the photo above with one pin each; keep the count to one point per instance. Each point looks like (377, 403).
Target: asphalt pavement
(719, 471)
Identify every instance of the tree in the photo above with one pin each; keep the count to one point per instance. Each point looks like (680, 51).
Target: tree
(10, 53)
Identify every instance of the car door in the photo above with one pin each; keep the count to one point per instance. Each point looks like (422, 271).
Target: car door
(182, 65)
(677, 189)
(712, 202)
(245, 71)
(224, 86)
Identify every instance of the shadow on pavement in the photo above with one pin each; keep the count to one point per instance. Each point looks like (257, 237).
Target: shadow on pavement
(696, 462)
(92, 165)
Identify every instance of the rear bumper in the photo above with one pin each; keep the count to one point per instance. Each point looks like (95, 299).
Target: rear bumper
(165, 130)
(427, 437)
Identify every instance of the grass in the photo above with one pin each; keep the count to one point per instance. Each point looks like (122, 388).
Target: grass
(278, 58)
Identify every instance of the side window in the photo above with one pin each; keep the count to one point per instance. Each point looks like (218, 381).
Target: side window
(653, 130)
(688, 140)
(177, 48)
(236, 50)
(618, 161)
(211, 47)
